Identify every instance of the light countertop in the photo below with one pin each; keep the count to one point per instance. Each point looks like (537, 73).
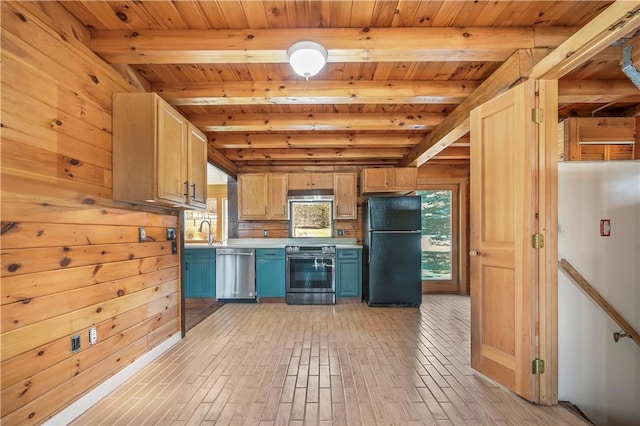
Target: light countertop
(340, 243)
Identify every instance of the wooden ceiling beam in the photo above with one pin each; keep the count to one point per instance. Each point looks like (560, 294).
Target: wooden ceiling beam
(316, 92)
(424, 44)
(614, 23)
(299, 140)
(310, 122)
(311, 165)
(219, 160)
(597, 91)
(372, 92)
(320, 154)
(453, 152)
(456, 124)
(312, 154)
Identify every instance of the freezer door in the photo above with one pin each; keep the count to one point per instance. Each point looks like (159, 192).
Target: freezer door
(394, 213)
(394, 269)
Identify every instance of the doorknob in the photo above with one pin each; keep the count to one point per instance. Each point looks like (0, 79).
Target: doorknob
(474, 253)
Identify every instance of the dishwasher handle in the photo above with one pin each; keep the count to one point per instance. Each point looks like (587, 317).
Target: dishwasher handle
(234, 254)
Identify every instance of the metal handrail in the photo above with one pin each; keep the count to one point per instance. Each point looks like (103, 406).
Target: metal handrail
(600, 301)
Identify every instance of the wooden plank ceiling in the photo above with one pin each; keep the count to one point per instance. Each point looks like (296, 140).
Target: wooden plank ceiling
(396, 69)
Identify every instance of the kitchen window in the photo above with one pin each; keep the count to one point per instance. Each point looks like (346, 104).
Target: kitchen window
(311, 218)
(440, 238)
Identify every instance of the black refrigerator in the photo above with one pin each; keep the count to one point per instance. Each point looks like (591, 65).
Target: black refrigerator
(392, 251)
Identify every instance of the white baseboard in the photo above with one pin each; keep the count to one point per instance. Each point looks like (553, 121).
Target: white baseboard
(74, 410)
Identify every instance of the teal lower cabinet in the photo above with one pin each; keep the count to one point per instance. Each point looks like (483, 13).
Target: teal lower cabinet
(349, 273)
(200, 272)
(270, 270)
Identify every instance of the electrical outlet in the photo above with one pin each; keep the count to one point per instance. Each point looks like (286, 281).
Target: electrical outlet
(340, 232)
(93, 336)
(75, 343)
(266, 233)
(143, 234)
(174, 247)
(171, 234)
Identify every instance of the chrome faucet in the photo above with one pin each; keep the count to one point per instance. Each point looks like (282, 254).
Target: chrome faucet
(208, 222)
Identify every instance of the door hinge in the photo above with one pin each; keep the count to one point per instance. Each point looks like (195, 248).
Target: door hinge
(537, 241)
(537, 115)
(537, 366)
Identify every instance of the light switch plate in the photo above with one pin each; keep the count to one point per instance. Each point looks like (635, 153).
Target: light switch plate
(143, 234)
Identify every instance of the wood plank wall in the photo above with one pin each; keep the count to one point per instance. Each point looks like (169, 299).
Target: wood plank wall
(70, 254)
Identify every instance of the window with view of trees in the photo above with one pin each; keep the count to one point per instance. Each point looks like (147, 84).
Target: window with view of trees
(311, 219)
(436, 234)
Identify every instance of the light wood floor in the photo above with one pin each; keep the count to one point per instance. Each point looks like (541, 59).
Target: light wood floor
(343, 364)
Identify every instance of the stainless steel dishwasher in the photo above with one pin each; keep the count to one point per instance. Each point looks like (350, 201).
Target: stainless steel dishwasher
(236, 274)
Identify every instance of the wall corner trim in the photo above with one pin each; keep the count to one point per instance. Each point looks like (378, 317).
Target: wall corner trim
(78, 407)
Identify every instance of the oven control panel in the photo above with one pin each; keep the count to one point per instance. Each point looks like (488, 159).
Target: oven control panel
(324, 249)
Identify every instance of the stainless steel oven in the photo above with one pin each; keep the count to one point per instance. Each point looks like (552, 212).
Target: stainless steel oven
(311, 275)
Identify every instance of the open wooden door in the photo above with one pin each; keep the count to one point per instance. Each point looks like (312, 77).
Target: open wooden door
(512, 177)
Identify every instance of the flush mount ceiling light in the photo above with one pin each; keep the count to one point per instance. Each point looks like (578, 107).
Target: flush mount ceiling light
(307, 58)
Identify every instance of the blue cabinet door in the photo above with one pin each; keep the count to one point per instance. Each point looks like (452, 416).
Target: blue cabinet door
(349, 273)
(270, 269)
(200, 273)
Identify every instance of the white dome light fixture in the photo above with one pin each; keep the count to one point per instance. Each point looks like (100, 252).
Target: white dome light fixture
(307, 58)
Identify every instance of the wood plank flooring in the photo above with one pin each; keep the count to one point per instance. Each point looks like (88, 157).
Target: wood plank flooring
(277, 364)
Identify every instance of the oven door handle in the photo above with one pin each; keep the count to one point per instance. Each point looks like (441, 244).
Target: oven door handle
(325, 265)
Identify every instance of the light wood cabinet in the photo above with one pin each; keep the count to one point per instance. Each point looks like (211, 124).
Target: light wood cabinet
(376, 180)
(196, 175)
(262, 196)
(278, 186)
(405, 178)
(158, 156)
(253, 196)
(389, 179)
(345, 195)
(301, 181)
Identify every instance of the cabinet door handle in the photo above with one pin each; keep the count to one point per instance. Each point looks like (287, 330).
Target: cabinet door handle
(186, 188)
(193, 185)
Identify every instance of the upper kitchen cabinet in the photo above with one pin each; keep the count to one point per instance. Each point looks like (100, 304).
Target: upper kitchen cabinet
(300, 181)
(262, 196)
(346, 196)
(389, 179)
(197, 176)
(278, 206)
(405, 178)
(158, 156)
